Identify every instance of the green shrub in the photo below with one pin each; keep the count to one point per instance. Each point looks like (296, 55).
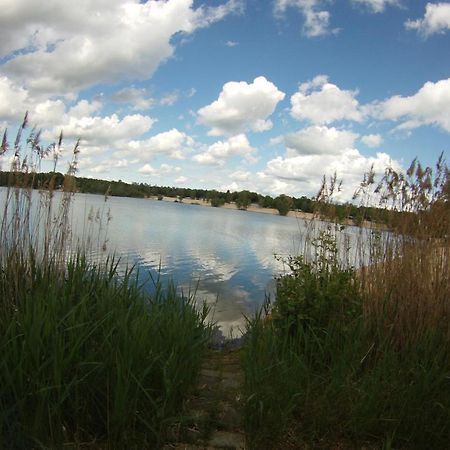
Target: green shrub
(315, 294)
(284, 204)
(217, 202)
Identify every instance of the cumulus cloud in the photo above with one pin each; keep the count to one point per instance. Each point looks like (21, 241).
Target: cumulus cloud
(106, 166)
(372, 140)
(436, 20)
(241, 106)
(103, 131)
(15, 100)
(85, 108)
(316, 20)
(167, 168)
(319, 140)
(377, 6)
(173, 144)
(164, 169)
(219, 152)
(139, 99)
(316, 151)
(322, 102)
(95, 41)
(240, 175)
(303, 173)
(429, 106)
(147, 169)
(181, 179)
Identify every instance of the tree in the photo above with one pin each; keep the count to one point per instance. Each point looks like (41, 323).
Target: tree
(284, 204)
(243, 200)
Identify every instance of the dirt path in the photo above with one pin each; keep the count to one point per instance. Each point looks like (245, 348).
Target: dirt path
(214, 418)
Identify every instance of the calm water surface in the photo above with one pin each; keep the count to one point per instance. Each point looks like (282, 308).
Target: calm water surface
(226, 256)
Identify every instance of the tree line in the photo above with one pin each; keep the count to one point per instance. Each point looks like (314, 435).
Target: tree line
(242, 199)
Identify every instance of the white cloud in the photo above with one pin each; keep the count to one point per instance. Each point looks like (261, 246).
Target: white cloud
(167, 168)
(61, 46)
(191, 92)
(303, 173)
(12, 97)
(84, 108)
(319, 140)
(377, 6)
(436, 20)
(241, 106)
(240, 175)
(105, 166)
(16, 100)
(219, 152)
(372, 140)
(231, 43)
(429, 106)
(181, 179)
(164, 169)
(147, 169)
(173, 143)
(326, 105)
(103, 131)
(169, 99)
(139, 99)
(316, 20)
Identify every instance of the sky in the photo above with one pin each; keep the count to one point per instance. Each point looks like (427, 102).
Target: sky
(265, 95)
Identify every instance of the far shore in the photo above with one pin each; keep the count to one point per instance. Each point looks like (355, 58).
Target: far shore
(251, 208)
(258, 209)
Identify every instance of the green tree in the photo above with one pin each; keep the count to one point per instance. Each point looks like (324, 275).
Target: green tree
(284, 204)
(243, 200)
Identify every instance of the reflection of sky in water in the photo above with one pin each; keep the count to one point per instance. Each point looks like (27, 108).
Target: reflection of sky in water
(227, 256)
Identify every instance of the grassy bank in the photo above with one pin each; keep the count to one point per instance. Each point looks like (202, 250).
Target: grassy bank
(350, 358)
(87, 359)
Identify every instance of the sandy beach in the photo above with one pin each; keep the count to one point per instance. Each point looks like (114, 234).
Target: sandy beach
(252, 208)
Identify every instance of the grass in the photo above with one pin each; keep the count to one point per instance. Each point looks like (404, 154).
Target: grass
(88, 359)
(349, 358)
(345, 358)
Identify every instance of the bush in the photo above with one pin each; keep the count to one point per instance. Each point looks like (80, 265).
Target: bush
(217, 202)
(284, 204)
(352, 359)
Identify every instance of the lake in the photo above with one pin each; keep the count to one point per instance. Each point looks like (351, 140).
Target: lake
(226, 256)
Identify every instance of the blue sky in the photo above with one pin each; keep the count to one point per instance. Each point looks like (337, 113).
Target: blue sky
(266, 95)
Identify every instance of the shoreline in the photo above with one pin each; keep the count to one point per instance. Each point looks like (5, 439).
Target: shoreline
(272, 211)
(251, 208)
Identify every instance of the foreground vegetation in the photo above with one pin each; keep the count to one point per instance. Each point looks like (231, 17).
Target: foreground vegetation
(87, 359)
(349, 358)
(343, 357)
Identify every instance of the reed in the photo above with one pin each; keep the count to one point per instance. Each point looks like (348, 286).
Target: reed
(89, 360)
(355, 354)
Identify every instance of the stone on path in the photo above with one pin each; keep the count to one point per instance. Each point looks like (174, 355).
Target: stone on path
(215, 409)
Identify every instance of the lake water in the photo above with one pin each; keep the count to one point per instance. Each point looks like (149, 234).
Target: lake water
(226, 256)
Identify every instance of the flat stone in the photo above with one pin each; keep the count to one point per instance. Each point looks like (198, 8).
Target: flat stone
(228, 416)
(231, 383)
(210, 373)
(227, 440)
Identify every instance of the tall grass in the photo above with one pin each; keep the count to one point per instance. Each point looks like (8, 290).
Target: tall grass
(88, 360)
(351, 357)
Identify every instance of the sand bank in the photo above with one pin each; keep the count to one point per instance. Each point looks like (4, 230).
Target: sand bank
(252, 208)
